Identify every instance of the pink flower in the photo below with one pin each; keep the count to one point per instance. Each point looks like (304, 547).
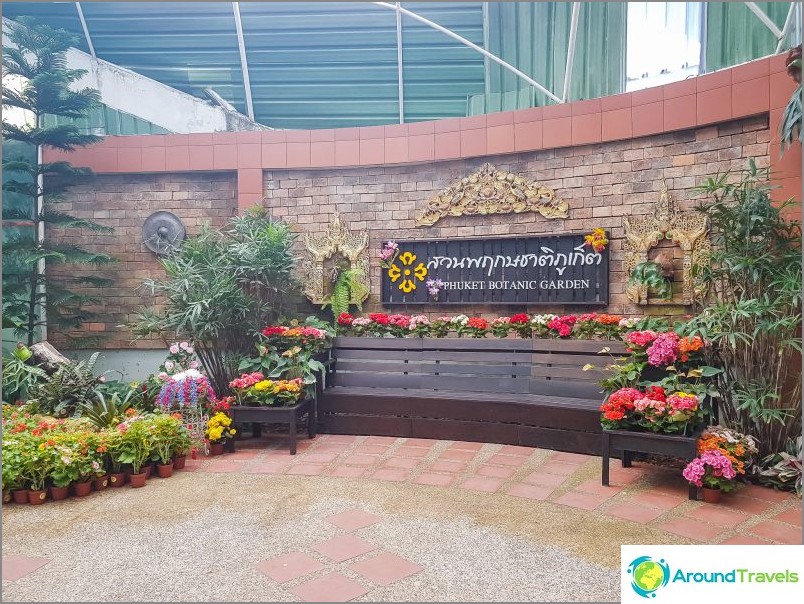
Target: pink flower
(664, 350)
(641, 338)
(184, 345)
(174, 349)
(193, 364)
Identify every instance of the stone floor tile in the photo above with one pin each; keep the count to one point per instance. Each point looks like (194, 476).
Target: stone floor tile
(516, 450)
(404, 451)
(344, 547)
(381, 440)
(594, 487)
(265, 467)
(745, 540)
(386, 568)
(356, 459)
(635, 513)
(419, 442)
(791, 516)
(391, 474)
(692, 529)
(354, 519)
(347, 472)
(223, 467)
(306, 469)
(447, 466)
(364, 449)
(466, 446)
(495, 471)
(242, 455)
(749, 505)
(338, 438)
(663, 501)
(402, 462)
(545, 479)
(507, 460)
(318, 457)
(458, 455)
(530, 491)
(778, 531)
(17, 567)
(715, 514)
(482, 483)
(764, 493)
(288, 566)
(577, 458)
(436, 480)
(560, 468)
(332, 587)
(578, 499)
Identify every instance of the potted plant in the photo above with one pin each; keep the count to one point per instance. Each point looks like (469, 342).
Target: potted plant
(63, 473)
(37, 466)
(135, 448)
(165, 431)
(182, 445)
(654, 276)
(713, 472)
(219, 431)
(114, 451)
(13, 479)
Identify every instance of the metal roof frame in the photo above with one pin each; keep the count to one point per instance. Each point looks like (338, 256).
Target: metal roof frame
(241, 44)
(86, 29)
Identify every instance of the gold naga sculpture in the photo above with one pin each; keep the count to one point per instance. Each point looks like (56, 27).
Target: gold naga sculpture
(492, 191)
(337, 240)
(689, 230)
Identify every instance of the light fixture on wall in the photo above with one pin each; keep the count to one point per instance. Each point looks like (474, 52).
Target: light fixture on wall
(163, 232)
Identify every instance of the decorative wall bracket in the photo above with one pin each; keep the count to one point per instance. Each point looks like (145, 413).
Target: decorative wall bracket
(492, 191)
(337, 239)
(689, 230)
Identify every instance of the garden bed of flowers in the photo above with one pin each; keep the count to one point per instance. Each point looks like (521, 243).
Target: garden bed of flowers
(44, 456)
(583, 326)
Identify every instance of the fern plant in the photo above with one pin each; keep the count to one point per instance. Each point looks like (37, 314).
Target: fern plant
(650, 274)
(71, 387)
(106, 412)
(348, 286)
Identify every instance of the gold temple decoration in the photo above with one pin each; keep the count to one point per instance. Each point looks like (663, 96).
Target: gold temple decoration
(337, 239)
(688, 230)
(492, 191)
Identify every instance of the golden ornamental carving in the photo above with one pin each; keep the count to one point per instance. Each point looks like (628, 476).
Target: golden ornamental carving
(338, 239)
(688, 230)
(492, 191)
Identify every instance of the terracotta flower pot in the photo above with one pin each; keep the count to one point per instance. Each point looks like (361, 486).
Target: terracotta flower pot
(216, 448)
(711, 495)
(138, 480)
(36, 497)
(101, 482)
(117, 480)
(59, 493)
(179, 462)
(147, 468)
(82, 489)
(165, 470)
(20, 496)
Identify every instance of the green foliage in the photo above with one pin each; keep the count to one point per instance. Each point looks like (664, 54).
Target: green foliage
(106, 411)
(782, 470)
(30, 297)
(19, 375)
(754, 317)
(348, 286)
(68, 390)
(650, 274)
(220, 288)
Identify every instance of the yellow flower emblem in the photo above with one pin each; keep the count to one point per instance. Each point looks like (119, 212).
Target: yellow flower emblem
(407, 272)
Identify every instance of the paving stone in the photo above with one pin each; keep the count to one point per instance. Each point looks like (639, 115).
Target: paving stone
(344, 547)
(437, 480)
(289, 566)
(347, 472)
(17, 567)
(778, 531)
(495, 471)
(447, 466)
(530, 491)
(692, 529)
(306, 469)
(482, 483)
(354, 519)
(658, 500)
(391, 475)
(402, 462)
(715, 514)
(386, 568)
(332, 587)
(545, 479)
(635, 513)
(584, 501)
(791, 516)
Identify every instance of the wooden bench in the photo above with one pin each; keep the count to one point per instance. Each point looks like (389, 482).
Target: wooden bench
(509, 391)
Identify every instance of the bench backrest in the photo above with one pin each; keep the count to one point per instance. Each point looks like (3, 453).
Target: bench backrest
(512, 366)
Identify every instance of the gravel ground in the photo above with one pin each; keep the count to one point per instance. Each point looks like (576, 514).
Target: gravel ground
(196, 537)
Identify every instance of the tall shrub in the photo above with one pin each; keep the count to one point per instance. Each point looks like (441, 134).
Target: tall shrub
(754, 315)
(220, 288)
(30, 298)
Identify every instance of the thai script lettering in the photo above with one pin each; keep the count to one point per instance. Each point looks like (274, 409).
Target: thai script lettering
(580, 256)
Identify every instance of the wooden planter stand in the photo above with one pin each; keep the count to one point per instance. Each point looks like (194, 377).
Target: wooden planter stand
(685, 447)
(278, 415)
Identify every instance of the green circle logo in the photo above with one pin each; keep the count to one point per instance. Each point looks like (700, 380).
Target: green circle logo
(648, 575)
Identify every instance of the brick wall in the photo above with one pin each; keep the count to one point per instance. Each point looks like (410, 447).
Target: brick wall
(123, 202)
(601, 182)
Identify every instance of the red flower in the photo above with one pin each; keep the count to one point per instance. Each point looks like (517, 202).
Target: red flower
(477, 323)
(274, 330)
(345, 319)
(656, 393)
(380, 318)
(520, 319)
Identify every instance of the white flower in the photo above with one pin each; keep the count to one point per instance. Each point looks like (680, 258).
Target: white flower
(627, 322)
(361, 321)
(66, 460)
(190, 373)
(189, 350)
(169, 365)
(542, 319)
(460, 319)
(95, 465)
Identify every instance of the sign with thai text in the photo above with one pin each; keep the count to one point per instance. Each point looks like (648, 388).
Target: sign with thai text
(558, 269)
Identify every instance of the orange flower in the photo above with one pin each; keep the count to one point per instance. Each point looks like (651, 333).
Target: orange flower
(688, 345)
(608, 319)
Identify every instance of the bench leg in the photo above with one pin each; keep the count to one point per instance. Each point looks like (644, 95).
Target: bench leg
(292, 428)
(627, 458)
(693, 492)
(311, 424)
(605, 470)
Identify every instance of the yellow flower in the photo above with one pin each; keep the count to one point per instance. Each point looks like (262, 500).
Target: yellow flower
(263, 385)
(232, 432)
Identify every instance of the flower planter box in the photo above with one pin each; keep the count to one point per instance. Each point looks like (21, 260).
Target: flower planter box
(279, 415)
(685, 447)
